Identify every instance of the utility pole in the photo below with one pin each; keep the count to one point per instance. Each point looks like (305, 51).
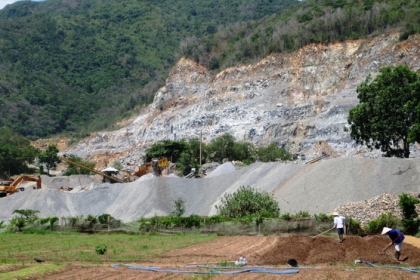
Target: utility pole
(201, 140)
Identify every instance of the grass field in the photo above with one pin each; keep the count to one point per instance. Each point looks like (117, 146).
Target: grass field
(17, 250)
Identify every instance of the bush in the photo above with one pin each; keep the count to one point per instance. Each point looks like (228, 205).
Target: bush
(385, 220)
(324, 217)
(192, 221)
(100, 249)
(18, 223)
(301, 215)
(410, 219)
(353, 227)
(248, 201)
(216, 219)
(179, 206)
(286, 217)
(107, 219)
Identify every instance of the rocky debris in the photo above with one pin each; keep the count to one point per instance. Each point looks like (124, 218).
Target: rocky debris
(294, 100)
(371, 209)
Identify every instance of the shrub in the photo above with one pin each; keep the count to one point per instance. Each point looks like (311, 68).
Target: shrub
(248, 201)
(216, 219)
(192, 221)
(385, 220)
(107, 219)
(410, 219)
(301, 215)
(91, 220)
(29, 215)
(179, 206)
(286, 217)
(18, 223)
(100, 249)
(52, 221)
(324, 217)
(44, 221)
(353, 227)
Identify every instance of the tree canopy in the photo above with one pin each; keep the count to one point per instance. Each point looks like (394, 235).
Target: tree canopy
(248, 201)
(15, 152)
(186, 153)
(79, 66)
(387, 117)
(49, 157)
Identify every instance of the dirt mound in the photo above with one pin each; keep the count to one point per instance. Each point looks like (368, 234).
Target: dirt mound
(275, 250)
(318, 258)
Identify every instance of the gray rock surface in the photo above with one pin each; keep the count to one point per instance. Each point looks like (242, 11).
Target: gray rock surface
(293, 99)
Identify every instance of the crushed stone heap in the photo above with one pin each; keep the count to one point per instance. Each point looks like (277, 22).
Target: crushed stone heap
(371, 209)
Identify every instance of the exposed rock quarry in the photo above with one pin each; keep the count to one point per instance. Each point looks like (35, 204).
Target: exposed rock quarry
(293, 99)
(298, 100)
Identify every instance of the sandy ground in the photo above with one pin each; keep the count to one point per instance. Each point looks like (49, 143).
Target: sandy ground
(318, 258)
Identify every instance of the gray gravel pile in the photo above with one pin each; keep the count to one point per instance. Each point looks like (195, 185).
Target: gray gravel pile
(371, 209)
(316, 188)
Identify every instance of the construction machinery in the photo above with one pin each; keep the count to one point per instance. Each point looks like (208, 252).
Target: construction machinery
(156, 166)
(107, 177)
(10, 187)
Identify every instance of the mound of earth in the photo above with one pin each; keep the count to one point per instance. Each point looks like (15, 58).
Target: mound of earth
(318, 258)
(315, 188)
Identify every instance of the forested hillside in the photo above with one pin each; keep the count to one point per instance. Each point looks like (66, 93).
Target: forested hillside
(74, 66)
(77, 66)
(313, 21)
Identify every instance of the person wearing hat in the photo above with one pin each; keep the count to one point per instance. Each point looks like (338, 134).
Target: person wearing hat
(397, 238)
(339, 222)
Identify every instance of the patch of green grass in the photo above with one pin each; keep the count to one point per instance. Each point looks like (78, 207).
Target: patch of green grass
(29, 271)
(59, 248)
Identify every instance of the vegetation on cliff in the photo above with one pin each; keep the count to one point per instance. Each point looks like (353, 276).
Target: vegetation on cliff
(78, 66)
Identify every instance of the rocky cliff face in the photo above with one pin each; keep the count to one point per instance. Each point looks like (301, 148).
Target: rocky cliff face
(297, 100)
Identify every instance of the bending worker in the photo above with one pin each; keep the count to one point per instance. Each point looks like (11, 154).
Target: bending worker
(339, 225)
(397, 238)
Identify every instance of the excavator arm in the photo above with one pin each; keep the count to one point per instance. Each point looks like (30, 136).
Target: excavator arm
(13, 186)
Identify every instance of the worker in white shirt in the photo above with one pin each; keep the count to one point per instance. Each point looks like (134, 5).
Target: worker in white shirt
(339, 222)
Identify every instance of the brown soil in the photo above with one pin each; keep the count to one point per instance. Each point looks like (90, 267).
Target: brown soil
(318, 258)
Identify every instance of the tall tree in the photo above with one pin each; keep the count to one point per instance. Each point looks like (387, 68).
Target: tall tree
(386, 115)
(49, 157)
(15, 152)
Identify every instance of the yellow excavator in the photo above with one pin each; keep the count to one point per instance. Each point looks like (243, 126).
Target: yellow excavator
(10, 187)
(156, 166)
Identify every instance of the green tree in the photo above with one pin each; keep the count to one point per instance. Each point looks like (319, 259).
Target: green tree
(244, 151)
(248, 201)
(272, 153)
(386, 115)
(190, 158)
(49, 157)
(221, 148)
(15, 152)
(167, 148)
(410, 219)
